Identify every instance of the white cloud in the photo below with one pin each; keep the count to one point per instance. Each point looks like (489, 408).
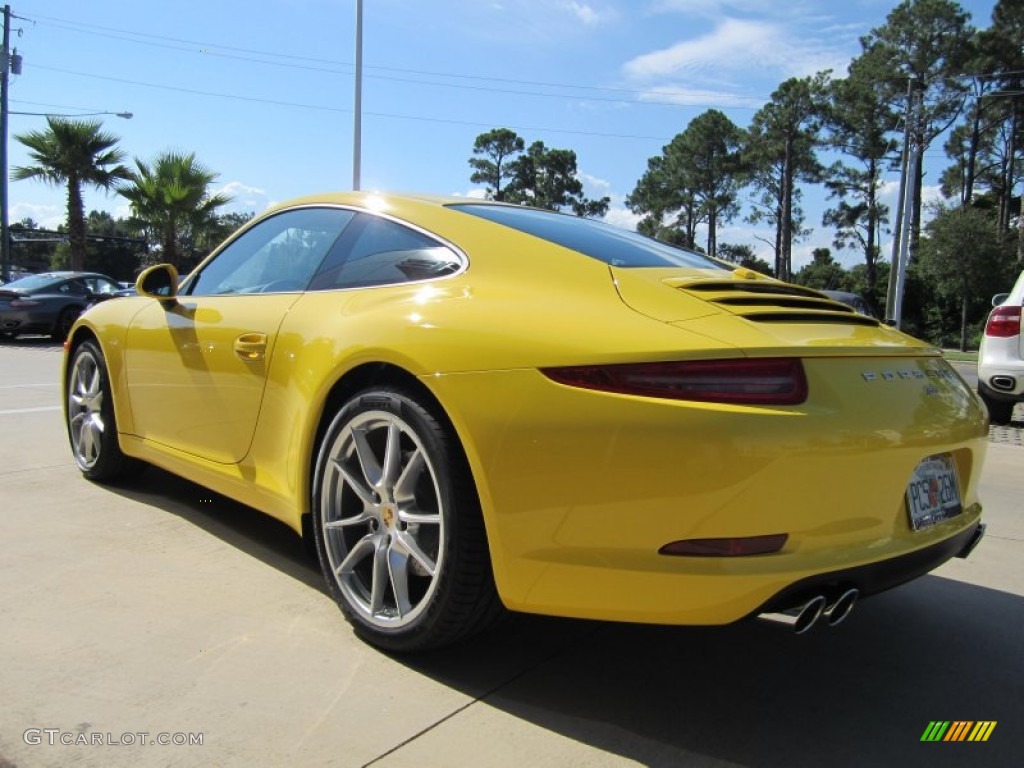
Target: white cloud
(889, 189)
(239, 189)
(594, 186)
(715, 9)
(477, 193)
(536, 22)
(931, 193)
(244, 197)
(587, 13)
(46, 216)
(733, 47)
(699, 97)
(621, 216)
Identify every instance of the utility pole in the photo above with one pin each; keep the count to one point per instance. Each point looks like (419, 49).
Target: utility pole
(894, 265)
(357, 132)
(5, 235)
(908, 214)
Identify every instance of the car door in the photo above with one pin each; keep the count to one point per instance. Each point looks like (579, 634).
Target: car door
(196, 366)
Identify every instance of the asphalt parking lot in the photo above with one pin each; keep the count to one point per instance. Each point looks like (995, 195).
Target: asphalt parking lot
(159, 608)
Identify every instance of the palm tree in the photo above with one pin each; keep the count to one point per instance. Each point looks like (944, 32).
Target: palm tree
(73, 152)
(170, 197)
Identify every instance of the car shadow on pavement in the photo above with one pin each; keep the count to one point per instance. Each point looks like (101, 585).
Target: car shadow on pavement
(752, 694)
(244, 528)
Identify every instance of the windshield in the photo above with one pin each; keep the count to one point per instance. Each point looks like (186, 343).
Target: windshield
(612, 245)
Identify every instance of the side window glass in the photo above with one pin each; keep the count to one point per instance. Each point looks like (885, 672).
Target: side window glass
(280, 254)
(378, 251)
(98, 285)
(73, 288)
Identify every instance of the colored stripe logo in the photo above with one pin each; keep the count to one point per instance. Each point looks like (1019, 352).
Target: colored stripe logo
(958, 730)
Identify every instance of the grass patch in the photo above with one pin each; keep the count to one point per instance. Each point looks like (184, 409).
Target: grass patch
(960, 357)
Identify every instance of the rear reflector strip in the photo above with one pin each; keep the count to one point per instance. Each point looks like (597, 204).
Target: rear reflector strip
(731, 547)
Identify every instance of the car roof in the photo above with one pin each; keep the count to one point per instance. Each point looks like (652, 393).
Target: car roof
(65, 274)
(384, 202)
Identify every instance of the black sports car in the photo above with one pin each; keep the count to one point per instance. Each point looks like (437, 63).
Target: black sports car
(49, 303)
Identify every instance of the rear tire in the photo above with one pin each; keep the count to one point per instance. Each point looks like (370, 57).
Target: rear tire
(92, 428)
(398, 527)
(1000, 412)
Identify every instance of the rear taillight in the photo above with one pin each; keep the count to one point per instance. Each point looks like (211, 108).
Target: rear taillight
(24, 303)
(1003, 321)
(772, 381)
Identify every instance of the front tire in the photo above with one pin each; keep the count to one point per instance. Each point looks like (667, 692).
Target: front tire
(92, 429)
(398, 526)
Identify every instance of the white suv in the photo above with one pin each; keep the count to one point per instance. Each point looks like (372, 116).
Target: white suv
(1001, 356)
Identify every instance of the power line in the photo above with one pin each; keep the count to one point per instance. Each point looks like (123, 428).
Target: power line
(208, 50)
(55, 106)
(324, 108)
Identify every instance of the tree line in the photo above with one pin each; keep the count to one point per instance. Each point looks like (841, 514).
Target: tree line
(536, 175)
(169, 196)
(923, 74)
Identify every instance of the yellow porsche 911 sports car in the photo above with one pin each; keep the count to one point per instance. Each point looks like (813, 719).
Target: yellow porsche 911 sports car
(469, 406)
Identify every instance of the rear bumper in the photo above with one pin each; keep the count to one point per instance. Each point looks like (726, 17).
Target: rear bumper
(1001, 369)
(1015, 395)
(877, 577)
(581, 490)
(23, 322)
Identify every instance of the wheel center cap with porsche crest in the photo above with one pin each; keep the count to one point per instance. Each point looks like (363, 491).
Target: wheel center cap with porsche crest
(387, 515)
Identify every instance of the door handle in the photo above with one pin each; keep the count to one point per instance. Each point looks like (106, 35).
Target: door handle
(251, 346)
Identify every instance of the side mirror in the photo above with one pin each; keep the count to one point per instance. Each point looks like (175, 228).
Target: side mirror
(158, 282)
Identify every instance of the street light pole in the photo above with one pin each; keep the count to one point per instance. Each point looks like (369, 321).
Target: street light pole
(357, 133)
(5, 237)
(902, 224)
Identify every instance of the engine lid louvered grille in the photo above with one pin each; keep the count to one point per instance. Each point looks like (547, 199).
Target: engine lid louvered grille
(845, 318)
(765, 301)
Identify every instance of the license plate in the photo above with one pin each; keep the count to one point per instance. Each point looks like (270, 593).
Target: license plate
(933, 494)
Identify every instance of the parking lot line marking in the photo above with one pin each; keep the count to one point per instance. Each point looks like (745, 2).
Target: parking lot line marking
(40, 409)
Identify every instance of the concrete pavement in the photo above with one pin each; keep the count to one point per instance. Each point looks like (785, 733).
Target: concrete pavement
(160, 608)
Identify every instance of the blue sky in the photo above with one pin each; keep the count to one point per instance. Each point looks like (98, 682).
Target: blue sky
(262, 91)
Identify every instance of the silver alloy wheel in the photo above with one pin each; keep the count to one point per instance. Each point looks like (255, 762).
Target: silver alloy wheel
(382, 518)
(85, 410)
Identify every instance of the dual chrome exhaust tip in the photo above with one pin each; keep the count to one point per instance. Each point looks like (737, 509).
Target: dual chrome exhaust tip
(803, 616)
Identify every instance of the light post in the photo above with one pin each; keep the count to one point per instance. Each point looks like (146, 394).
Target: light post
(5, 65)
(357, 137)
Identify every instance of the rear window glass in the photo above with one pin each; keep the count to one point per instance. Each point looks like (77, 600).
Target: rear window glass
(33, 283)
(612, 245)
